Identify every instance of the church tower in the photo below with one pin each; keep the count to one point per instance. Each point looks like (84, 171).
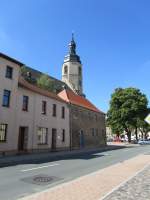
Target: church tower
(72, 69)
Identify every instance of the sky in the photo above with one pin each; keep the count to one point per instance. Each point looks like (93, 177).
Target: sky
(112, 37)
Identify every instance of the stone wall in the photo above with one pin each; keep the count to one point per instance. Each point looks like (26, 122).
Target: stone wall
(87, 128)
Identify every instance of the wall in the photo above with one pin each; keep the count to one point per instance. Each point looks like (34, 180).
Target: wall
(15, 117)
(73, 76)
(34, 119)
(85, 120)
(8, 115)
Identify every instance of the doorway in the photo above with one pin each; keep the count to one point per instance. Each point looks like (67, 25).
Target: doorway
(54, 138)
(22, 139)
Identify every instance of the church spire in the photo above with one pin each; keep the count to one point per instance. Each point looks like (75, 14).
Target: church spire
(72, 46)
(72, 69)
(72, 56)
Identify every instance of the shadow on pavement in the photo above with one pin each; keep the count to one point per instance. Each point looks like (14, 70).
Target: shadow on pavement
(41, 158)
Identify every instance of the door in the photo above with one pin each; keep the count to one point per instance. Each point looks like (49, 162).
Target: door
(22, 139)
(54, 137)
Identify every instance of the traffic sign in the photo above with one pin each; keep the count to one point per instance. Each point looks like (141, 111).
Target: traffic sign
(147, 119)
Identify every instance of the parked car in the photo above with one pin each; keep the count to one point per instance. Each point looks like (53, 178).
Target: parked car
(142, 142)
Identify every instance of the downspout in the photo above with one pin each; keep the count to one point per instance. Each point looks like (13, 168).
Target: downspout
(70, 126)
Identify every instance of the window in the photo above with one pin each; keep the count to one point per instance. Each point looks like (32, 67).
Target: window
(9, 72)
(103, 132)
(44, 107)
(66, 70)
(6, 98)
(63, 112)
(79, 71)
(63, 135)
(80, 83)
(3, 132)
(42, 135)
(96, 131)
(25, 103)
(92, 131)
(96, 117)
(54, 110)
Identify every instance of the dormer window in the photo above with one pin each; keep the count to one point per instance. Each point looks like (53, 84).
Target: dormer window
(66, 69)
(9, 72)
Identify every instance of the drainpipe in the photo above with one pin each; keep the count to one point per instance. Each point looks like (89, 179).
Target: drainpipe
(70, 121)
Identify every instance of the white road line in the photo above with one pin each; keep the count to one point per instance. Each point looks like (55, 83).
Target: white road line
(45, 166)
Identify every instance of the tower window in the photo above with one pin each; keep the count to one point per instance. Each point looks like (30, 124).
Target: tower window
(80, 83)
(66, 69)
(79, 70)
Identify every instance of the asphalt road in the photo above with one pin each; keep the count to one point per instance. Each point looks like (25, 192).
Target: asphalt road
(24, 179)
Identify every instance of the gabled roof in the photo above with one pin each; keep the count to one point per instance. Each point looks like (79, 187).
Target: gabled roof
(25, 84)
(70, 97)
(11, 59)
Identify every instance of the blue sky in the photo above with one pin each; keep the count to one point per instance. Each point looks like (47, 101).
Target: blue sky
(112, 36)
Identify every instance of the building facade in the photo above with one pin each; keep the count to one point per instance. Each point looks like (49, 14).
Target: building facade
(87, 123)
(31, 119)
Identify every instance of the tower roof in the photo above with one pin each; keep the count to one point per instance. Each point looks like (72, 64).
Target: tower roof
(72, 56)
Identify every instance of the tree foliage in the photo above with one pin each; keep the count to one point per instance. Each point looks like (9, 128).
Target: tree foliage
(27, 75)
(45, 82)
(128, 108)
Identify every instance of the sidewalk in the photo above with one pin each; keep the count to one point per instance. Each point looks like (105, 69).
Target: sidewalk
(50, 156)
(138, 188)
(96, 185)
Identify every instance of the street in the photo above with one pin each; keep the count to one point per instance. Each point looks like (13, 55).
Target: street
(24, 179)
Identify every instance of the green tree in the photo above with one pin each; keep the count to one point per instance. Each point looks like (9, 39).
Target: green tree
(45, 82)
(126, 108)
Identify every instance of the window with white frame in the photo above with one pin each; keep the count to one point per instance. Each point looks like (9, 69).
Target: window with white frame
(3, 132)
(42, 135)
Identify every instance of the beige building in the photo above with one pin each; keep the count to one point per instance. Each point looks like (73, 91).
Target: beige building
(31, 119)
(56, 118)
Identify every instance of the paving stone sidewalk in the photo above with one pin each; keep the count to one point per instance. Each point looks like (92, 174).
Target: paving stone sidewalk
(138, 188)
(96, 185)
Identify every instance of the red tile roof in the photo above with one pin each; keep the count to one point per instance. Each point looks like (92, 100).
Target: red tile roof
(70, 97)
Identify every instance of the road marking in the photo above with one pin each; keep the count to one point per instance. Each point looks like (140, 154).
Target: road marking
(45, 166)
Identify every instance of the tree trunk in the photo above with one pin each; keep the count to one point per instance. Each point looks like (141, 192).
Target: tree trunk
(142, 136)
(145, 136)
(129, 136)
(136, 135)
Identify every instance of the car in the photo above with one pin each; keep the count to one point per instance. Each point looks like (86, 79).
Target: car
(142, 142)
